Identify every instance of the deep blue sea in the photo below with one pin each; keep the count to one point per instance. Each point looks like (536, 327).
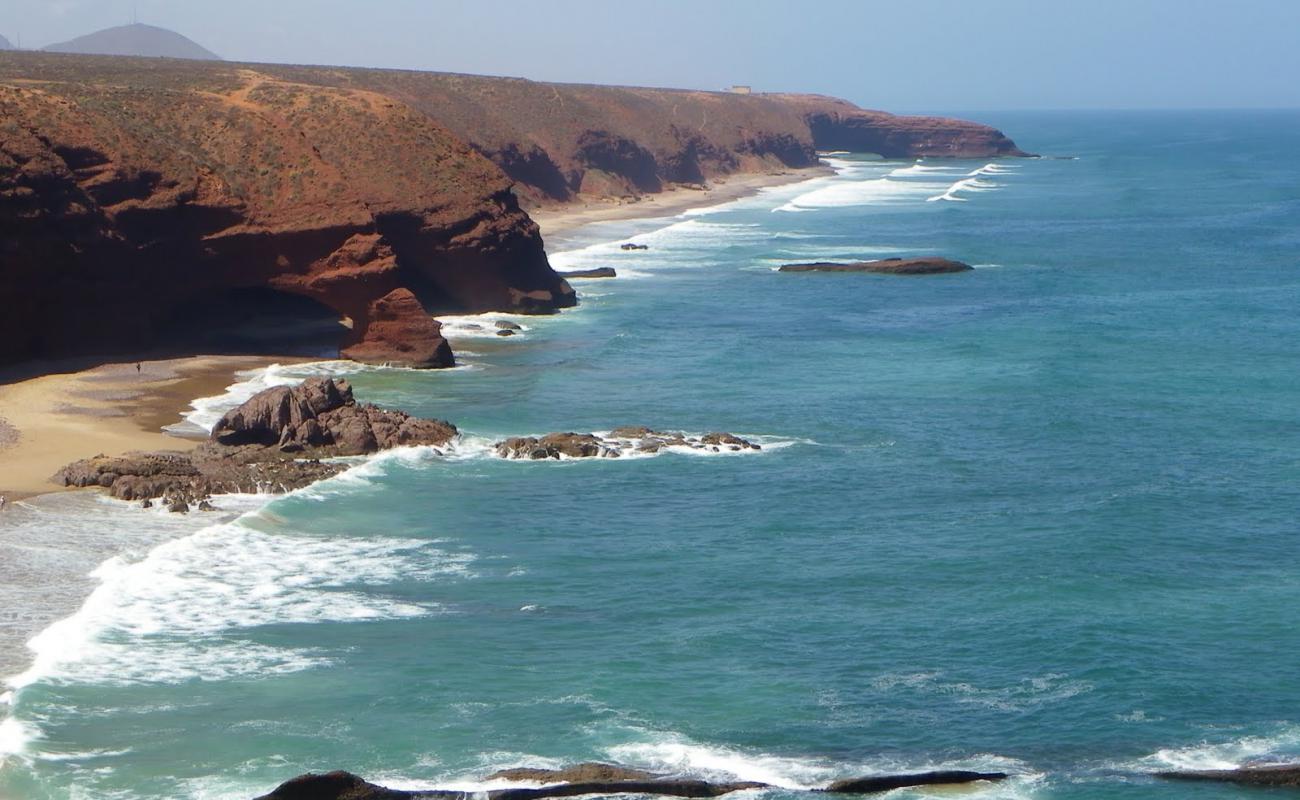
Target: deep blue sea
(1041, 517)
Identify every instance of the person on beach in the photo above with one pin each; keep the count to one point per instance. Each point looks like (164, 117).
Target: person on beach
(137, 368)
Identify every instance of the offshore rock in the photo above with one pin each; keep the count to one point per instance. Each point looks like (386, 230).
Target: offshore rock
(273, 442)
(629, 440)
(927, 265)
(885, 783)
(598, 272)
(1280, 775)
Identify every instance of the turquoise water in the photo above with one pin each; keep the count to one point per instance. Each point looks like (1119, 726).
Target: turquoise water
(1039, 517)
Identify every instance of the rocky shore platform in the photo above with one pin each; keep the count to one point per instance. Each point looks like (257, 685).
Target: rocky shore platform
(926, 265)
(592, 778)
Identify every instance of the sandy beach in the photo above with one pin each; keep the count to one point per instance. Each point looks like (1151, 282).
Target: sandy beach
(49, 421)
(561, 219)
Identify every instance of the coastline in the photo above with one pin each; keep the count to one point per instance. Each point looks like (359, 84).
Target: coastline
(564, 219)
(49, 421)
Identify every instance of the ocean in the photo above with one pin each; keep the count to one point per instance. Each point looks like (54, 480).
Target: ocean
(1040, 517)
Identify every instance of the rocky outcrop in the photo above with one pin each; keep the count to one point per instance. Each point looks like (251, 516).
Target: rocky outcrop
(1279, 775)
(594, 779)
(273, 442)
(928, 265)
(885, 783)
(133, 194)
(618, 442)
(598, 272)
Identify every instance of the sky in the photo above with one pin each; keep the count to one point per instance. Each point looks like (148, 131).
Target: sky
(900, 55)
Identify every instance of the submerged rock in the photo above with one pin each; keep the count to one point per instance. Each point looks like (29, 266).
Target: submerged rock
(629, 439)
(928, 265)
(1280, 775)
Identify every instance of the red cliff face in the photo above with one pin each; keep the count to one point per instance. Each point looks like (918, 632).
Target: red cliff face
(154, 187)
(139, 198)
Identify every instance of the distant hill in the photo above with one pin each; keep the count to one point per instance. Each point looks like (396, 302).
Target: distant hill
(136, 40)
(4, 44)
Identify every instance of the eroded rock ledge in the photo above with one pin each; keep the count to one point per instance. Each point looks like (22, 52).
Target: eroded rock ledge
(588, 779)
(274, 442)
(925, 265)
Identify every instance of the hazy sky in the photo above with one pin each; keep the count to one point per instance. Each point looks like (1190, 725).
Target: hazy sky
(897, 54)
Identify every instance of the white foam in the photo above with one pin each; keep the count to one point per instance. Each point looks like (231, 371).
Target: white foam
(921, 169)
(1279, 747)
(470, 447)
(963, 185)
(846, 193)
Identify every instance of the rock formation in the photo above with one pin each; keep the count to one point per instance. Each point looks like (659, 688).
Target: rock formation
(592, 779)
(620, 441)
(1279, 775)
(273, 442)
(928, 265)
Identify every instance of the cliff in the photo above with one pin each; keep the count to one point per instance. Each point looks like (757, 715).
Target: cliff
(203, 205)
(562, 142)
(137, 203)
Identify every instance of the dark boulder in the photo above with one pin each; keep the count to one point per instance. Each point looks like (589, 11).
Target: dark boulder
(928, 265)
(342, 786)
(630, 246)
(508, 326)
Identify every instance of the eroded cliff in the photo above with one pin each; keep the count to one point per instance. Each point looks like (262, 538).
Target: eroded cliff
(163, 186)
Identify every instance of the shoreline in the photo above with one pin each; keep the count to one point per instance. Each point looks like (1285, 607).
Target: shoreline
(562, 220)
(50, 421)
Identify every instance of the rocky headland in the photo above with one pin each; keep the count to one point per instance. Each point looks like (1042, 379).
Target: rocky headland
(163, 206)
(927, 265)
(594, 779)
